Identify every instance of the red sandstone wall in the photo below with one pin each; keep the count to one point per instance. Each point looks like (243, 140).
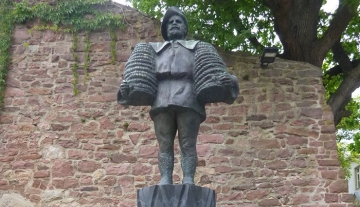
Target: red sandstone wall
(274, 147)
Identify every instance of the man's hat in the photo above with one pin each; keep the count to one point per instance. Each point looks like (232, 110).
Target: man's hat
(173, 10)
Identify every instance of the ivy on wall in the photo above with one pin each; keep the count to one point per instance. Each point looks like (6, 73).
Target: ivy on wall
(71, 16)
(6, 28)
(75, 66)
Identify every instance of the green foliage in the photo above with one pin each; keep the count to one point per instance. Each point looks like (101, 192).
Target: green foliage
(351, 38)
(349, 41)
(75, 15)
(112, 46)
(331, 83)
(126, 126)
(232, 24)
(69, 16)
(54, 28)
(355, 146)
(348, 153)
(218, 22)
(6, 28)
(75, 66)
(353, 121)
(87, 55)
(346, 157)
(348, 126)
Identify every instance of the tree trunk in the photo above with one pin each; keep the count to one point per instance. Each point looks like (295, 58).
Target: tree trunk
(296, 23)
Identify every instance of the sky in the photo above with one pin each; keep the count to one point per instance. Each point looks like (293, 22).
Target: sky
(330, 6)
(122, 2)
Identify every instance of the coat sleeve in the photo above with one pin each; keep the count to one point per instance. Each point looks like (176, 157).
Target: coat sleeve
(213, 83)
(232, 90)
(123, 93)
(139, 84)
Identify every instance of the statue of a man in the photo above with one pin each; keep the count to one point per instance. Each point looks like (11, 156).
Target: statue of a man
(188, 74)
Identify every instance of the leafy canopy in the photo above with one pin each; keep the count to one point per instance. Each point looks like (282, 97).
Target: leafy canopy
(218, 21)
(302, 30)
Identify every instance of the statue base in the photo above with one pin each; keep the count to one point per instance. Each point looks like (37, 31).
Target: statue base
(176, 195)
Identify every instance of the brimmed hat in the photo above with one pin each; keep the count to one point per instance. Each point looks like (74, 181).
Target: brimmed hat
(173, 10)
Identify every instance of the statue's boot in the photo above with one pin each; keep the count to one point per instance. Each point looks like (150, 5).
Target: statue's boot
(188, 165)
(166, 167)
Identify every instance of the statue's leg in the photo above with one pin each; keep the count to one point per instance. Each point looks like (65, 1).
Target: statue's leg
(165, 130)
(188, 128)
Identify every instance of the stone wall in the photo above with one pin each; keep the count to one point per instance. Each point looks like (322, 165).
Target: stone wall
(275, 146)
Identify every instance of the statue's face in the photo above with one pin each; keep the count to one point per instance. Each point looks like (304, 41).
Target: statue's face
(176, 28)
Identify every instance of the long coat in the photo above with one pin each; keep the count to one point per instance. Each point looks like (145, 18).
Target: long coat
(175, 65)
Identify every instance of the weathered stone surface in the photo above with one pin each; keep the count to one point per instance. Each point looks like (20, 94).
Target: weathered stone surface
(62, 169)
(88, 166)
(270, 202)
(14, 200)
(51, 195)
(108, 180)
(315, 113)
(277, 164)
(265, 144)
(331, 198)
(65, 183)
(77, 154)
(339, 186)
(41, 174)
(140, 169)
(118, 169)
(98, 174)
(120, 158)
(211, 138)
(149, 151)
(53, 152)
(347, 198)
(274, 146)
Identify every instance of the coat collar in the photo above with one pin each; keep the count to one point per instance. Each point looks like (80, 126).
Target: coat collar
(189, 44)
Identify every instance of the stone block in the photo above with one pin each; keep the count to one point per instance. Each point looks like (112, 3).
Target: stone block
(270, 202)
(14, 200)
(211, 138)
(339, 186)
(88, 166)
(62, 168)
(331, 198)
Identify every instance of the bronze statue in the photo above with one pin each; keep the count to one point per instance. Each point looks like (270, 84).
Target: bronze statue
(177, 78)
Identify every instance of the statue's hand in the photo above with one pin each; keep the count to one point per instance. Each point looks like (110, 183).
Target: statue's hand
(125, 89)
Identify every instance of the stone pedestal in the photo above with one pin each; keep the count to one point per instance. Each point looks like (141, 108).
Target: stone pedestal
(176, 196)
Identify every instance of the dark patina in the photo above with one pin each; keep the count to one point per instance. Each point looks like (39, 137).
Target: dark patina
(177, 78)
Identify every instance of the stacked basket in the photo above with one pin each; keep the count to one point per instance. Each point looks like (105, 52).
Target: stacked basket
(140, 77)
(209, 67)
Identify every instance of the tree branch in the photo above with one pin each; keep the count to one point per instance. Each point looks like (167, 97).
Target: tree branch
(342, 96)
(341, 57)
(240, 26)
(338, 24)
(254, 41)
(338, 70)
